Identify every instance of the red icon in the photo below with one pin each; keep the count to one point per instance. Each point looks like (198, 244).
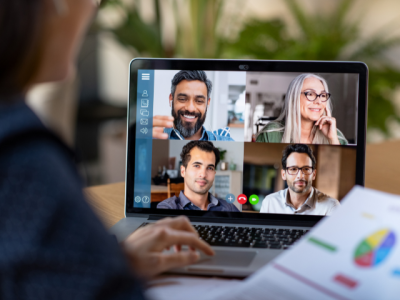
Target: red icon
(242, 199)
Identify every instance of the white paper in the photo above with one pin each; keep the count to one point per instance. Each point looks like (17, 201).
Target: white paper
(342, 267)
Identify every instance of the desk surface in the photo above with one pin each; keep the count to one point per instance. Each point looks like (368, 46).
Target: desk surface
(381, 173)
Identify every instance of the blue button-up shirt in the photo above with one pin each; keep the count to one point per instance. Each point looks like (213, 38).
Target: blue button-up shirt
(222, 134)
(183, 203)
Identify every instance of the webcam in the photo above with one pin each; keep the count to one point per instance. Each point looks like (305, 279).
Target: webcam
(243, 67)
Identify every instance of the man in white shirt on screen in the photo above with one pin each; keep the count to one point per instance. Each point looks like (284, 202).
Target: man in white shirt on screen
(299, 171)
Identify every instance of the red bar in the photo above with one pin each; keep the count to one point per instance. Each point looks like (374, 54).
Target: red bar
(346, 281)
(309, 282)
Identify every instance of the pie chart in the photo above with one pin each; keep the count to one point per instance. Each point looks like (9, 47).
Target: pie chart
(375, 248)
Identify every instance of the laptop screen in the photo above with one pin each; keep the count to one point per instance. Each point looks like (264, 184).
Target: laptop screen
(255, 142)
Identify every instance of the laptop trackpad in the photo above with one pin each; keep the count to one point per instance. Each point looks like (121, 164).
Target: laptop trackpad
(228, 258)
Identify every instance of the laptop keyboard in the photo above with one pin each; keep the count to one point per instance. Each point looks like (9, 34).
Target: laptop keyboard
(248, 237)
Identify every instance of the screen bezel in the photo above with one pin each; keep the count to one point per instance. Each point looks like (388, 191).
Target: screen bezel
(359, 68)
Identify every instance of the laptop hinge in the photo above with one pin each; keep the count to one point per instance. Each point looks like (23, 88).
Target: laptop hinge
(242, 221)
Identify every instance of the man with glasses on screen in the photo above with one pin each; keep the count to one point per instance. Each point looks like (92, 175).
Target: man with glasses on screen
(189, 101)
(298, 169)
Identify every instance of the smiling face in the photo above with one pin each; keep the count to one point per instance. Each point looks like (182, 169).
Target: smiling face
(200, 171)
(189, 106)
(311, 111)
(299, 183)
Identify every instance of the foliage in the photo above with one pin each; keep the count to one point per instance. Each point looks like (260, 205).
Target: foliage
(325, 36)
(195, 22)
(222, 154)
(199, 38)
(145, 37)
(331, 35)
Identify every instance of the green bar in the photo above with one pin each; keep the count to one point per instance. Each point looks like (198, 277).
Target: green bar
(322, 244)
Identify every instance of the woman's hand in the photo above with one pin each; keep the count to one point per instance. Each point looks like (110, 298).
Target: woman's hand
(327, 124)
(145, 246)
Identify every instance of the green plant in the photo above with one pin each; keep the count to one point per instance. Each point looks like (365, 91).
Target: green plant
(195, 23)
(325, 36)
(329, 35)
(134, 31)
(222, 154)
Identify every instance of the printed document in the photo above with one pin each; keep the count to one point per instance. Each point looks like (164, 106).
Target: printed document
(354, 254)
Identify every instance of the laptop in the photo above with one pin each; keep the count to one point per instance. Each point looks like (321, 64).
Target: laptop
(247, 109)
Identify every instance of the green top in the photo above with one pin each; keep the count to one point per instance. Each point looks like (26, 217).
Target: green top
(276, 136)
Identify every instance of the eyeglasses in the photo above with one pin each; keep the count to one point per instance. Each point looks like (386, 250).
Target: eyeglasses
(312, 96)
(295, 170)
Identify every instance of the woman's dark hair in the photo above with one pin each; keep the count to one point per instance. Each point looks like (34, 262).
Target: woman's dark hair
(298, 148)
(202, 145)
(21, 36)
(189, 76)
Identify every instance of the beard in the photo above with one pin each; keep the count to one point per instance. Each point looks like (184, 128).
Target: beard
(187, 129)
(299, 190)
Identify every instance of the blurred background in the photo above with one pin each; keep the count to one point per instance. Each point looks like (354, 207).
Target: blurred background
(89, 109)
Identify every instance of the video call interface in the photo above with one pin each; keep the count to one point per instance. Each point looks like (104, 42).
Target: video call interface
(253, 142)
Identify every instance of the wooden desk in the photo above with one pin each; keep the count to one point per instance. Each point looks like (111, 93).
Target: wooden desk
(108, 200)
(382, 167)
(381, 173)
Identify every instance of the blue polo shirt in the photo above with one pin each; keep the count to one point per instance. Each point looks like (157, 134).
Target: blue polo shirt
(222, 134)
(183, 203)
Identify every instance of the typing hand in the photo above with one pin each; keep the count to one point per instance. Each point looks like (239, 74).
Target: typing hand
(145, 246)
(159, 122)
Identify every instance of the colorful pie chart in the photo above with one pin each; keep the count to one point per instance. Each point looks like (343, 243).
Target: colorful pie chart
(375, 248)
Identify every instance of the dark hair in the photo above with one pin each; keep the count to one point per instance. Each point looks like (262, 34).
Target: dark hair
(21, 41)
(191, 75)
(298, 148)
(202, 145)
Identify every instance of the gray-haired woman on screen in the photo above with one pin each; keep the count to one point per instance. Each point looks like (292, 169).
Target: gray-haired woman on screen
(306, 116)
